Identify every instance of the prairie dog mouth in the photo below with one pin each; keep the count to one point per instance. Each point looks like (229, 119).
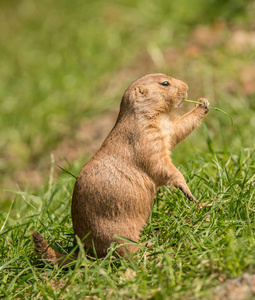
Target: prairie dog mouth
(183, 98)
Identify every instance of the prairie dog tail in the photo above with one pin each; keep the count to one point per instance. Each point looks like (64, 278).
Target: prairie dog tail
(48, 254)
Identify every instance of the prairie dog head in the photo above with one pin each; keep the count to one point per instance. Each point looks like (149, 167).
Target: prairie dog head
(154, 94)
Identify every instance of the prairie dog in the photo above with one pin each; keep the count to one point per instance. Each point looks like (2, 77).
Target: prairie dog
(114, 191)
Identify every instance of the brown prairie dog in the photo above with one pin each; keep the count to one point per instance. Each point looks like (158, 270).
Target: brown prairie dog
(114, 192)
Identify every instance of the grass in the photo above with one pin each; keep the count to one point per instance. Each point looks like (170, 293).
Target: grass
(191, 250)
(212, 107)
(63, 65)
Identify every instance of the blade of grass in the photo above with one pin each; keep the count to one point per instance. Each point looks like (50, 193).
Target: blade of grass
(125, 239)
(208, 138)
(64, 170)
(6, 219)
(215, 108)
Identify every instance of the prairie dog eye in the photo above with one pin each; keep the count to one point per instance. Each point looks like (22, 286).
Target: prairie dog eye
(165, 83)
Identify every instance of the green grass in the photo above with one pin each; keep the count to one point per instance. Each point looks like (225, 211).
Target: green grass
(63, 63)
(190, 248)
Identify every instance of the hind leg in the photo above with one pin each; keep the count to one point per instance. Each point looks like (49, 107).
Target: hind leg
(102, 238)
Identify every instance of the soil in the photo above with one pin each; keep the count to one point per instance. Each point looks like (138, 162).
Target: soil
(240, 288)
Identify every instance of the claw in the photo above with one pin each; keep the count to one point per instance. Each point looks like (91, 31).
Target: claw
(205, 104)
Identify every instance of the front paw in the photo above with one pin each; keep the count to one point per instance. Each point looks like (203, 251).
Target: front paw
(204, 105)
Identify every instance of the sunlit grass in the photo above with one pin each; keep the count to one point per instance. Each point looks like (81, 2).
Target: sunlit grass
(185, 250)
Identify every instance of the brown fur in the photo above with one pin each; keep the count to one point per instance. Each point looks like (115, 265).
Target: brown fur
(114, 191)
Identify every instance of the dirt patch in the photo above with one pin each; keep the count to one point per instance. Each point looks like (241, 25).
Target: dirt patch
(55, 283)
(240, 288)
(86, 140)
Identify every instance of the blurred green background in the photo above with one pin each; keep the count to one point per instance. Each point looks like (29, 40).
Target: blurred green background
(65, 63)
